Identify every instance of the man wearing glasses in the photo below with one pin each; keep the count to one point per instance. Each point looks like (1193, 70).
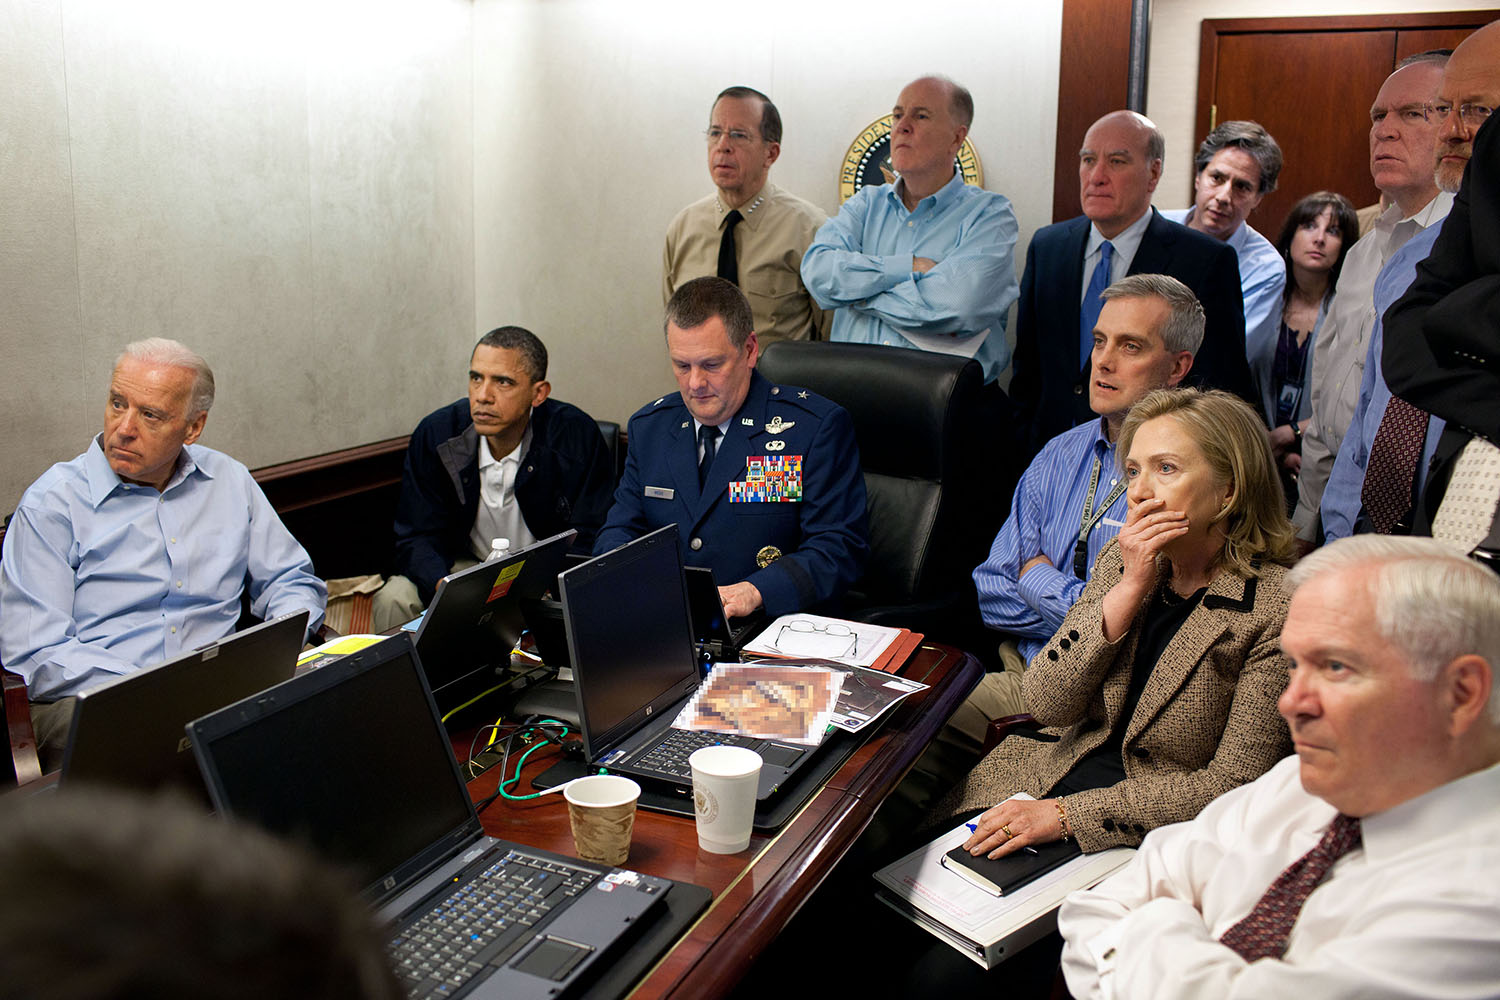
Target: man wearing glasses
(749, 232)
(1444, 338)
(1401, 145)
(1387, 460)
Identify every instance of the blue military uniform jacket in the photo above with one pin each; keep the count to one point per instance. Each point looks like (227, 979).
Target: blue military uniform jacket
(778, 432)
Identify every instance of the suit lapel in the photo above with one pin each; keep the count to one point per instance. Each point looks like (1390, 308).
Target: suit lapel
(1229, 598)
(729, 460)
(1154, 255)
(1072, 284)
(684, 461)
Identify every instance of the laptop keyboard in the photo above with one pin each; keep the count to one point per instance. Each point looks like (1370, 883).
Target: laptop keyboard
(670, 756)
(483, 923)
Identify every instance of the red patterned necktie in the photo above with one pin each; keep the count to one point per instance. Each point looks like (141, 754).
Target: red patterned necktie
(1392, 466)
(1264, 931)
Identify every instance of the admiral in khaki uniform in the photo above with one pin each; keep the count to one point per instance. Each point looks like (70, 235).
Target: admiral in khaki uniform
(780, 512)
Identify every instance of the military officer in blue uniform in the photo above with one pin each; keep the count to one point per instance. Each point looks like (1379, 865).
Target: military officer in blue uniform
(762, 480)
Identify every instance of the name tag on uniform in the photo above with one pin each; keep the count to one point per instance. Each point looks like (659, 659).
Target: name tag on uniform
(660, 492)
(769, 479)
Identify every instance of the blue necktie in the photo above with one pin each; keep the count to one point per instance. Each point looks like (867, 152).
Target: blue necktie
(1092, 304)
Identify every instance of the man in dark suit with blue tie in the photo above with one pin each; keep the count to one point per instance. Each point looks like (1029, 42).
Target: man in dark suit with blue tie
(762, 480)
(1069, 263)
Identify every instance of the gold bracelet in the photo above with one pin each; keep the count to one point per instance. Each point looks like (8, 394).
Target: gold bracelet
(1062, 820)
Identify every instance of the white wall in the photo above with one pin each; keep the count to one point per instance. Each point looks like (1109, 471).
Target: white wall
(588, 139)
(331, 198)
(1172, 77)
(286, 187)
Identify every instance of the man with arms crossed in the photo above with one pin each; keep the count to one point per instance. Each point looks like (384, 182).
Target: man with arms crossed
(1365, 865)
(703, 459)
(925, 262)
(139, 549)
(749, 232)
(1071, 500)
(507, 462)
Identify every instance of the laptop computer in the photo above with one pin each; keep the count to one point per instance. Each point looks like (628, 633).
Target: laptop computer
(476, 617)
(720, 637)
(352, 760)
(630, 640)
(129, 732)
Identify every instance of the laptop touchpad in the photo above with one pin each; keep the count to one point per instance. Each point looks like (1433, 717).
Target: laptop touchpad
(778, 755)
(553, 958)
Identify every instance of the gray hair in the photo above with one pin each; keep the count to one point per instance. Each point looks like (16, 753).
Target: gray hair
(960, 101)
(171, 354)
(1431, 603)
(1436, 56)
(1250, 137)
(1183, 330)
(770, 118)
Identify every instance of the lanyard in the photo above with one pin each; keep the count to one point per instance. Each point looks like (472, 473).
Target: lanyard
(1092, 517)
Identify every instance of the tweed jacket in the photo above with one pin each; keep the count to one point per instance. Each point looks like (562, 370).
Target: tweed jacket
(1205, 722)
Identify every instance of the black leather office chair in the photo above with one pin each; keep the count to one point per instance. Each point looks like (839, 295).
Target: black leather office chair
(610, 431)
(928, 452)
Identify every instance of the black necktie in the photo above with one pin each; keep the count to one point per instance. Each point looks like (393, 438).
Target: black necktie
(708, 434)
(729, 267)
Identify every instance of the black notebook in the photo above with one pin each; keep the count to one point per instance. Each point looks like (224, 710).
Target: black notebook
(1006, 874)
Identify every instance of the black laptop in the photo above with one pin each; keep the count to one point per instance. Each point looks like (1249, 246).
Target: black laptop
(129, 732)
(630, 641)
(465, 638)
(352, 760)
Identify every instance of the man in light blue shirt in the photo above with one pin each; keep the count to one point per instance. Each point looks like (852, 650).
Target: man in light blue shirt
(1237, 165)
(925, 262)
(1071, 500)
(138, 550)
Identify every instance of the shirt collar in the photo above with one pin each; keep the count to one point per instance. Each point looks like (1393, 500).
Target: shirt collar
(938, 198)
(103, 481)
(1125, 242)
(1425, 216)
(487, 459)
(1428, 818)
(750, 214)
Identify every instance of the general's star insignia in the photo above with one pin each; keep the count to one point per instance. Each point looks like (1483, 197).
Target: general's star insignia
(800, 395)
(659, 401)
(776, 425)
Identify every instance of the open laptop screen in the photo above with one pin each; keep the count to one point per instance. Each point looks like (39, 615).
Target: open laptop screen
(630, 636)
(323, 757)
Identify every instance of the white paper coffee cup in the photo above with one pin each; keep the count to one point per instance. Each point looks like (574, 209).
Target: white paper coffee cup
(724, 784)
(601, 810)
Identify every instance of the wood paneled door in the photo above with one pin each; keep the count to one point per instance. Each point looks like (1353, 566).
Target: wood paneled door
(1310, 82)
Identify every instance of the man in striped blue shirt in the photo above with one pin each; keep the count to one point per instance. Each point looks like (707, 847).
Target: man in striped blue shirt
(1071, 500)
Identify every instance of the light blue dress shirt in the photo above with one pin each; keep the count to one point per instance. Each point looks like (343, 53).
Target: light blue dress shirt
(1044, 520)
(860, 264)
(101, 577)
(1262, 284)
(1341, 498)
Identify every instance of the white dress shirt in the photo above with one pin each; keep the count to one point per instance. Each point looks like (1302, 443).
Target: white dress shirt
(1413, 913)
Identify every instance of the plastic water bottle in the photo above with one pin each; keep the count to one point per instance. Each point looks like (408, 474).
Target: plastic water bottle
(499, 549)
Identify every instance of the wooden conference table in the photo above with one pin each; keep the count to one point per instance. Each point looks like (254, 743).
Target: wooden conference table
(757, 891)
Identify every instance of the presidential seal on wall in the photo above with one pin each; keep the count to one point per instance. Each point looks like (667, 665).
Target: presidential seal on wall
(869, 160)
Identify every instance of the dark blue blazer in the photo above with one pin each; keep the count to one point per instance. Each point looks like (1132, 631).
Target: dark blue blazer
(823, 539)
(1050, 386)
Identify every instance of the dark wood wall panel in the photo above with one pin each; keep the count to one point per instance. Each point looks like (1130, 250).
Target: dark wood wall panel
(1324, 129)
(1310, 82)
(1093, 79)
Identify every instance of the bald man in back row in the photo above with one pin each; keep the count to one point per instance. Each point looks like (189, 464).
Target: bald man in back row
(1069, 264)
